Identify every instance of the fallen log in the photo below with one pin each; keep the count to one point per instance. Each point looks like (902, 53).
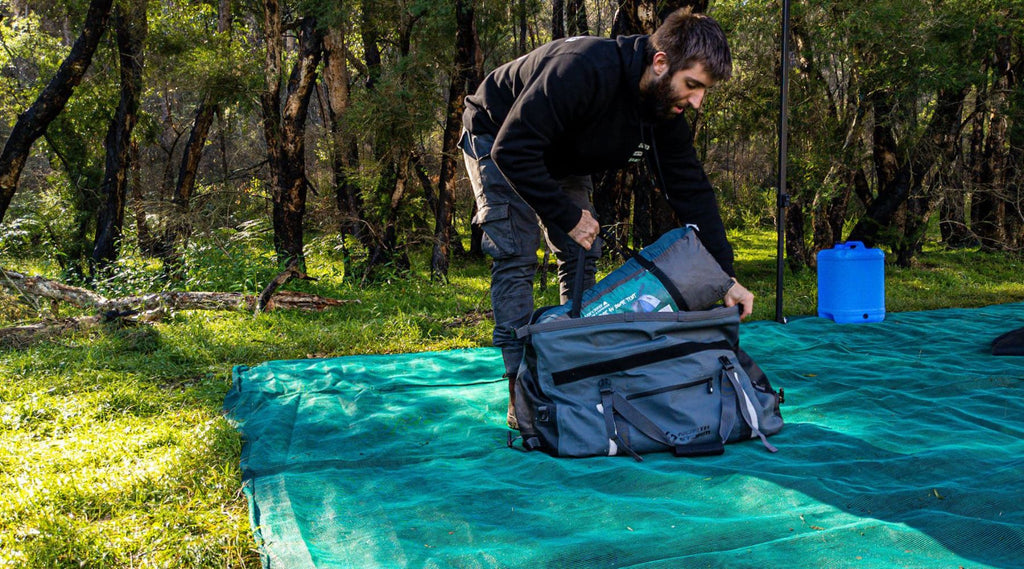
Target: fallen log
(141, 308)
(24, 336)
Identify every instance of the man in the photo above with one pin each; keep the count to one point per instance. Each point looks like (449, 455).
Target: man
(540, 125)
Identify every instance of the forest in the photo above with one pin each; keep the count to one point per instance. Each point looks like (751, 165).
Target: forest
(162, 162)
(137, 129)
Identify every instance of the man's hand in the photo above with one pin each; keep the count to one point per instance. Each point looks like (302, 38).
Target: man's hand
(738, 294)
(586, 230)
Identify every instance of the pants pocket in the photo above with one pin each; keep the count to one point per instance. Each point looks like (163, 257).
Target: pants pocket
(499, 240)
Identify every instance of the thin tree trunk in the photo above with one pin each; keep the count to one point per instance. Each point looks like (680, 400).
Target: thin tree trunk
(178, 227)
(131, 25)
(465, 57)
(336, 84)
(289, 196)
(797, 256)
(576, 18)
(51, 101)
(557, 19)
(521, 28)
(386, 249)
(270, 98)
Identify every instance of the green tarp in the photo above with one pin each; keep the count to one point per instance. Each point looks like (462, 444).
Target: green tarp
(904, 447)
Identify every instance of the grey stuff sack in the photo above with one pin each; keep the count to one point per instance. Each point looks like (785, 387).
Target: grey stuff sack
(637, 383)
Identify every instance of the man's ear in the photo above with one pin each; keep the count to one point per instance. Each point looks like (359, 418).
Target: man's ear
(660, 64)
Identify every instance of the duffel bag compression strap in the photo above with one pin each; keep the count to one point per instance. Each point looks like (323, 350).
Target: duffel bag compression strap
(747, 409)
(612, 403)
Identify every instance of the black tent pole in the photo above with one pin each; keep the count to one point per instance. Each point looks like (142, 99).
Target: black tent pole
(783, 197)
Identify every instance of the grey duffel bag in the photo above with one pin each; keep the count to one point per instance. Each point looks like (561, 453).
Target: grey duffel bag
(642, 382)
(639, 382)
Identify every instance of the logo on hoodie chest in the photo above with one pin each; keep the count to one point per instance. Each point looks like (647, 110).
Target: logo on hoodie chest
(639, 153)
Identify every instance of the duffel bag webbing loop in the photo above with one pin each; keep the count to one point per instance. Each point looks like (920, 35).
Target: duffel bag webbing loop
(608, 409)
(747, 409)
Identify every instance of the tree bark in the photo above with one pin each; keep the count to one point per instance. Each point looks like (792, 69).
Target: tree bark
(336, 80)
(576, 18)
(131, 25)
(289, 199)
(797, 256)
(465, 58)
(644, 16)
(557, 19)
(51, 101)
(178, 226)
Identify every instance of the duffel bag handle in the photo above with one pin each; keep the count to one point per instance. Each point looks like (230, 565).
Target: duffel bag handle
(577, 283)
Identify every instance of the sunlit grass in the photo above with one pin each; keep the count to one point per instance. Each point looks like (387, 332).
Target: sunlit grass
(113, 450)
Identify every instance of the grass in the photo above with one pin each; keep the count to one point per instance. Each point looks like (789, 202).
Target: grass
(113, 449)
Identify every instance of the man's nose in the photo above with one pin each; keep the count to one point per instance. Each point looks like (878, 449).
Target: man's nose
(696, 98)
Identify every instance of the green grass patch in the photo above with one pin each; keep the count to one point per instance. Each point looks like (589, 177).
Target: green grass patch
(113, 449)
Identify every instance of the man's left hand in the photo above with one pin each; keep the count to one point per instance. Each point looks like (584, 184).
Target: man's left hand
(738, 294)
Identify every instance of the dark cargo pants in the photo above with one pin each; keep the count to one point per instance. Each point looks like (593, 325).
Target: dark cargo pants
(511, 236)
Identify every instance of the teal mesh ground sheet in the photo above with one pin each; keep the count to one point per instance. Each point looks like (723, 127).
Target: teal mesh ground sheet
(903, 447)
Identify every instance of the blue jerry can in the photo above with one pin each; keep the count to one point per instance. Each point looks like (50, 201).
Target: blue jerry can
(851, 283)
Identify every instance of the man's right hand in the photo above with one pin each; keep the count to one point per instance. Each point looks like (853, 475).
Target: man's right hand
(586, 230)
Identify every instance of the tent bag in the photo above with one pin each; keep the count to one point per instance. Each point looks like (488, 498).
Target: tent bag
(674, 273)
(636, 383)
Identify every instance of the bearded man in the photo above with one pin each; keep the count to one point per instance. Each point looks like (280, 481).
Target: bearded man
(539, 126)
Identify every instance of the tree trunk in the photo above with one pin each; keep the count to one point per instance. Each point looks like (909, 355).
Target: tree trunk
(953, 219)
(270, 98)
(521, 27)
(576, 18)
(289, 196)
(51, 101)
(557, 19)
(797, 255)
(644, 16)
(178, 226)
(1012, 180)
(386, 249)
(901, 177)
(131, 25)
(465, 58)
(336, 84)
(935, 152)
(892, 171)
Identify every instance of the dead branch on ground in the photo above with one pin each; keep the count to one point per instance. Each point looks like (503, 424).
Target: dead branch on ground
(146, 307)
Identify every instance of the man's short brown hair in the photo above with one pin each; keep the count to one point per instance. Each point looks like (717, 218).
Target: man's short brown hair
(688, 38)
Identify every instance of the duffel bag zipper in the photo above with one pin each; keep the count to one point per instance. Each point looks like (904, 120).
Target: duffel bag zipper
(707, 380)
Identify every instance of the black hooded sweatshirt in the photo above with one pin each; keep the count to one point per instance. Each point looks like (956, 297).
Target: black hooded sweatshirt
(573, 107)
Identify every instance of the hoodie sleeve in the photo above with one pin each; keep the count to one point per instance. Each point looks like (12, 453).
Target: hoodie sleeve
(558, 93)
(688, 189)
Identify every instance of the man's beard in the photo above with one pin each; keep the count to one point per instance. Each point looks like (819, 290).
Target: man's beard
(658, 99)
